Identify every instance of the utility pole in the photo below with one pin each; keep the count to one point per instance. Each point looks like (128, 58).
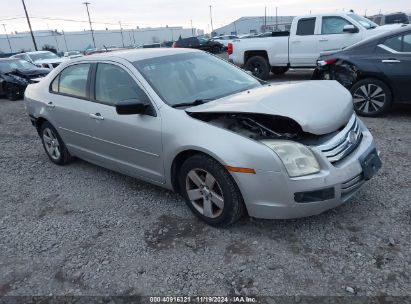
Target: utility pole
(121, 31)
(65, 41)
(265, 19)
(134, 38)
(192, 30)
(28, 21)
(276, 19)
(211, 22)
(89, 20)
(7, 36)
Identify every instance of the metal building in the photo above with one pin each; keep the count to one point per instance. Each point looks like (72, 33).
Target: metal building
(255, 25)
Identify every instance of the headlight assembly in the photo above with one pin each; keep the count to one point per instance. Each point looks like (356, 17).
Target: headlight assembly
(297, 158)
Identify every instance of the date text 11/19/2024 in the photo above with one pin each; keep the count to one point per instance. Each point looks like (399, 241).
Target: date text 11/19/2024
(204, 299)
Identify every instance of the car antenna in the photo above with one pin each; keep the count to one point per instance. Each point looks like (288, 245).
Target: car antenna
(105, 47)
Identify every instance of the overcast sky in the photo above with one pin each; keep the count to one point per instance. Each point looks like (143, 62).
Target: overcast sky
(153, 13)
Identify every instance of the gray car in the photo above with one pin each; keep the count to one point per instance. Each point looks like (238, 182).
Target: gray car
(189, 121)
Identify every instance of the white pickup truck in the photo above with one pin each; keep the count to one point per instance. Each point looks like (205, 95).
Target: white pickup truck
(308, 37)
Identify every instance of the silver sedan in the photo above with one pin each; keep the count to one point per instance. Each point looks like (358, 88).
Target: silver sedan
(189, 121)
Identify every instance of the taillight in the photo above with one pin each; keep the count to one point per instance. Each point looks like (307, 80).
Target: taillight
(230, 48)
(326, 61)
(174, 44)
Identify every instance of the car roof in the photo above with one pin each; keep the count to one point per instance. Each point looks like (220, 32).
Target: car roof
(9, 59)
(138, 54)
(38, 52)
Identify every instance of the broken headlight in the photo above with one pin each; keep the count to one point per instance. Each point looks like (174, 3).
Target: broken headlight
(297, 158)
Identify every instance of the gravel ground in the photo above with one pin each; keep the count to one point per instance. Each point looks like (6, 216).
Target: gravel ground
(81, 229)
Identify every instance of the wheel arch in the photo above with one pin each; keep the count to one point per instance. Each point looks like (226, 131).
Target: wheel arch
(179, 160)
(362, 76)
(250, 54)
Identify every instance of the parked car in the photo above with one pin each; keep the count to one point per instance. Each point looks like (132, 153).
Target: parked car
(151, 45)
(199, 43)
(42, 59)
(226, 141)
(377, 71)
(390, 18)
(225, 39)
(309, 36)
(16, 74)
(73, 54)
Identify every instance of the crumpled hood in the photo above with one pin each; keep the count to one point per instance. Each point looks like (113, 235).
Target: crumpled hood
(319, 107)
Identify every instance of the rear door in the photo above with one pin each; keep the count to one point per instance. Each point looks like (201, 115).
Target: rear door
(333, 37)
(394, 60)
(303, 49)
(69, 106)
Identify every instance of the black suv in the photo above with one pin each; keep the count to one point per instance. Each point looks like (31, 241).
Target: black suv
(200, 43)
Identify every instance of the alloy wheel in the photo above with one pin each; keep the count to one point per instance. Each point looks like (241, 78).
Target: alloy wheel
(51, 143)
(369, 98)
(204, 193)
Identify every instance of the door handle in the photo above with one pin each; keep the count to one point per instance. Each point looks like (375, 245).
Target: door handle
(50, 105)
(96, 116)
(323, 39)
(390, 61)
(296, 41)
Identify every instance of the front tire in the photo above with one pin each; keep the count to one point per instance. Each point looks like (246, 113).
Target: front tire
(53, 145)
(258, 66)
(11, 93)
(210, 191)
(371, 97)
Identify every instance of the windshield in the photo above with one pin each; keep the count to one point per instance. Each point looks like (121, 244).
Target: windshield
(190, 77)
(42, 56)
(8, 66)
(366, 23)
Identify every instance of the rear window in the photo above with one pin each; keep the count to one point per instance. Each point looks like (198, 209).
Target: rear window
(396, 18)
(306, 27)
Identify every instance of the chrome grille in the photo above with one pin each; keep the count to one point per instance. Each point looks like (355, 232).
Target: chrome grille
(344, 142)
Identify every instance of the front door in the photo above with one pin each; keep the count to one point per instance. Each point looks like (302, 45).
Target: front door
(332, 35)
(129, 143)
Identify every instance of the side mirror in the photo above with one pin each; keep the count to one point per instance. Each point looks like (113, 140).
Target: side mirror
(134, 106)
(349, 28)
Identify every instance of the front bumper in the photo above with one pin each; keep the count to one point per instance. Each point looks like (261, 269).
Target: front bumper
(272, 195)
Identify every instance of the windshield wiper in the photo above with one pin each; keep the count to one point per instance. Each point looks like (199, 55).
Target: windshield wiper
(196, 102)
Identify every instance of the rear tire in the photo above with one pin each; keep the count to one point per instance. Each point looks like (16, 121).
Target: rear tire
(279, 70)
(258, 66)
(210, 191)
(53, 145)
(371, 97)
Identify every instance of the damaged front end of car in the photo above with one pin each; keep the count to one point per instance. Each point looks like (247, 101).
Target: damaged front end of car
(259, 127)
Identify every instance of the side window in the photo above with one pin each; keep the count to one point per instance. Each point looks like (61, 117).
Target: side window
(73, 80)
(333, 25)
(394, 43)
(113, 84)
(406, 43)
(306, 27)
